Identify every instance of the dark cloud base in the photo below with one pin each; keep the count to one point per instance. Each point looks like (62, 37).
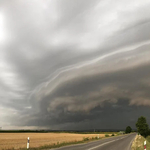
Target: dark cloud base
(113, 100)
(116, 116)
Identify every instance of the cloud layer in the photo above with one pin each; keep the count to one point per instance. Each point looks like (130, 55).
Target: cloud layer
(74, 64)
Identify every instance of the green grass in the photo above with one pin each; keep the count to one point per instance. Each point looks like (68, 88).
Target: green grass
(96, 132)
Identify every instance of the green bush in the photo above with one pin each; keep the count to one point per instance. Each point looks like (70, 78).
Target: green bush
(128, 130)
(86, 139)
(113, 134)
(106, 135)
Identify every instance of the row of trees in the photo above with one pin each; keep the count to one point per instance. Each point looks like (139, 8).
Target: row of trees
(142, 127)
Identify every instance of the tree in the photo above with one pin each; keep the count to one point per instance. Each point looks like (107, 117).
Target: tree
(128, 129)
(142, 126)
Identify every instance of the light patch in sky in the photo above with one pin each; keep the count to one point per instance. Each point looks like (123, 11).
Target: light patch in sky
(2, 32)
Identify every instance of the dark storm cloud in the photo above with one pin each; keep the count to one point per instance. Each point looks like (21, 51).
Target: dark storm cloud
(67, 63)
(76, 101)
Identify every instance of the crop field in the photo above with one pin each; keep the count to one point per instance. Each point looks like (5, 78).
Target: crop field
(19, 140)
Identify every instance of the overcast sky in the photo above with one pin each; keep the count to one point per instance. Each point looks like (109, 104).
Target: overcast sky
(74, 64)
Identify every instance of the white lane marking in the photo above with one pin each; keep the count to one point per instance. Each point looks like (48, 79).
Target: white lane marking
(105, 143)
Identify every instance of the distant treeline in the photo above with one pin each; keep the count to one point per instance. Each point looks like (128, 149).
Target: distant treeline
(96, 131)
(22, 131)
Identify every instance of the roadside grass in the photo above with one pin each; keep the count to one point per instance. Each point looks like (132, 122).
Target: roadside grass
(97, 132)
(138, 143)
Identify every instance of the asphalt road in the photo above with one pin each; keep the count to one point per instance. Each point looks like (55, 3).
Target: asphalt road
(114, 143)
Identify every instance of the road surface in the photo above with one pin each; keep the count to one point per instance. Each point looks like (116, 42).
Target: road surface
(114, 143)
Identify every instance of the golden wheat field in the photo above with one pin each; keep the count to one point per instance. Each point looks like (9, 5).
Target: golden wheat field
(19, 140)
